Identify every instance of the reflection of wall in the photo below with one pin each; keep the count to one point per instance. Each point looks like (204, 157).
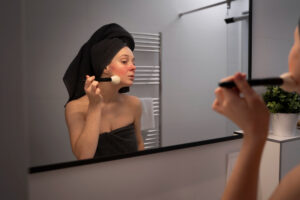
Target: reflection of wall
(192, 68)
(274, 32)
(55, 30)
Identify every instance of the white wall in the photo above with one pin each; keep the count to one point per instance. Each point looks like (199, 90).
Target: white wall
(13, 138)
(191, 173)
(193, 61)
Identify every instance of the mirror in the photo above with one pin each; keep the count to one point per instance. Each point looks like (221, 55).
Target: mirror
(195, 51)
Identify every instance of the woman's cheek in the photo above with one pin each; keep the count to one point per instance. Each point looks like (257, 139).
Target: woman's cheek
(119, 70)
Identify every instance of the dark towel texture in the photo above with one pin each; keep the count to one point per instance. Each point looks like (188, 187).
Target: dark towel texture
(116, 142)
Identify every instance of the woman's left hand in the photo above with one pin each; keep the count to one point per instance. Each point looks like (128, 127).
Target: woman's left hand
(248, 111)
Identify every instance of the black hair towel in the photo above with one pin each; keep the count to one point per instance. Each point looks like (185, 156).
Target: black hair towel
(94, 56)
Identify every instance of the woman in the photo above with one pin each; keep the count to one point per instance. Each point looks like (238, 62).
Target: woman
(251, 115)
(102, 121)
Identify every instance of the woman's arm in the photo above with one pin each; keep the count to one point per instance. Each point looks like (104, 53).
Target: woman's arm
(243, 182)
(251, 115)
(84, 128)
(84, 132)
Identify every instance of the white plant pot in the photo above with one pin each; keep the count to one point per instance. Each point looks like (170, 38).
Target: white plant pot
(284, 124)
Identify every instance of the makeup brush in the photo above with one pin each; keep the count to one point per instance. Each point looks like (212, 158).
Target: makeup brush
(285, 81)
(255, 82)
(114, 79)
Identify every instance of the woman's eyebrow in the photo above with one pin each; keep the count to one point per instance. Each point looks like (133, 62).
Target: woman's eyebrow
(133, 58)
(124, 55)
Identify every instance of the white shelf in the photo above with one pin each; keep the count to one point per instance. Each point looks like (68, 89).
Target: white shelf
(276, 138)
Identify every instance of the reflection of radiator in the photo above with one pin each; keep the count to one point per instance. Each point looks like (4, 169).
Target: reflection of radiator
(147, 80)
(152, 136)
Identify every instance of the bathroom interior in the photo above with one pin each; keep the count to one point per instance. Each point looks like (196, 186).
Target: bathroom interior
(183, 49)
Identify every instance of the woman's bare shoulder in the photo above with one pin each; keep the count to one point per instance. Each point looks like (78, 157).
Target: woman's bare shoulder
(132, 100)
(76, 106)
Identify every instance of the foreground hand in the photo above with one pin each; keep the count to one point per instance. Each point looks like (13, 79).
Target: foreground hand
(92, 90)
(248, 111)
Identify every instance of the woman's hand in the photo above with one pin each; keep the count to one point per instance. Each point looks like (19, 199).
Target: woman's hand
(243, 106)
(93, 91)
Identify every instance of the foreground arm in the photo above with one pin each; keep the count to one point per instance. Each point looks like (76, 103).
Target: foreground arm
(243, 182)
(251, 115)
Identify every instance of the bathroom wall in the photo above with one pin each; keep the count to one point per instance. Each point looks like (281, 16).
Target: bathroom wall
(13, 140)
(192, 173)
(274, 22)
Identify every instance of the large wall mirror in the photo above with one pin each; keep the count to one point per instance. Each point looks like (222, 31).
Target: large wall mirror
(183, 49)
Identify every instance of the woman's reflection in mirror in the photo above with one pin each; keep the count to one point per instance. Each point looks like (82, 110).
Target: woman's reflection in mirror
(101, 119)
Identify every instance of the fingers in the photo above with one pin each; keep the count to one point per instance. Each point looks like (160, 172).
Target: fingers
(94, 86)
(217, 107)
(91, 84)
(244, 87)
(97, 92)
(224, 99)
(229, 78)
(219, 94)
(217, 104)
(88, 81)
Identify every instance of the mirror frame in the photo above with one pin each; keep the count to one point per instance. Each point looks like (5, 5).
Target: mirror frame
(75, 163)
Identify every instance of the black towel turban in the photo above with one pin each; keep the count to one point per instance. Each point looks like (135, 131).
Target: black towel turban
(94, 56)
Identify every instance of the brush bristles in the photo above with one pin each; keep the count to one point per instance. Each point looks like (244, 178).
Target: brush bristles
(115, 79)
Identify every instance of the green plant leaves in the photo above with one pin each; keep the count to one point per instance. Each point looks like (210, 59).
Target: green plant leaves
(279, 101)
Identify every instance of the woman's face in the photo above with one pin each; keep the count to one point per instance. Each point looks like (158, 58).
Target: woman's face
(123, 65)
(294, 57)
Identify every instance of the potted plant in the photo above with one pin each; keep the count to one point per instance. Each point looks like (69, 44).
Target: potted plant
(284, 108)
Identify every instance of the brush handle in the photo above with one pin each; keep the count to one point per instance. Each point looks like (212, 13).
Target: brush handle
(103, 79)
(254, 82)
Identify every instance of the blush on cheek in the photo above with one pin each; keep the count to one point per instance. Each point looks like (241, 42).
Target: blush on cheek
(117, 70)
(121, 72)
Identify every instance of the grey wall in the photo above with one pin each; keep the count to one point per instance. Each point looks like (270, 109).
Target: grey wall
(199, 173)
(193, 61)
(13, 180)
(13, 138)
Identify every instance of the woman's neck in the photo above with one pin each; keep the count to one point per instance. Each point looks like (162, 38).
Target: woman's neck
(109, 92)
